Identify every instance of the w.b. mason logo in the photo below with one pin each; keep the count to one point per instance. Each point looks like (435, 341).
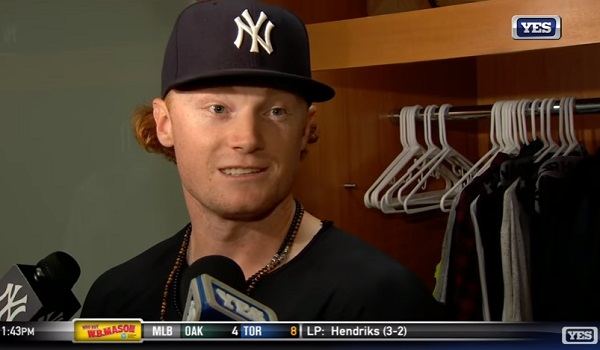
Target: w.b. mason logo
(254, 31)
(13, 306)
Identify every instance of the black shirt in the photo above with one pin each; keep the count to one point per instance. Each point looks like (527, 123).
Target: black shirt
(336, 277)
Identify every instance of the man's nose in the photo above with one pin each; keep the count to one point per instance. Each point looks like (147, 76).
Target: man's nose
(247, 132)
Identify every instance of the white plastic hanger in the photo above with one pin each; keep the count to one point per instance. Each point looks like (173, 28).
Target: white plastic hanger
(414, 150)
(546, 113)
(572, 137)
(522, 116)
(517, 125)
(460, 163)
(564, 144)
(387, 204)
(542, 130)
(384, 174)
(498, 130)
(507, 128)
(479, 165)
(410, 149)
(423, 173)
(450, 156)
(535, 104)
(417, 173)
(514, 132)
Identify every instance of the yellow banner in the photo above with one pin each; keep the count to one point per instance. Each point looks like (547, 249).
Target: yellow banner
(107, 331)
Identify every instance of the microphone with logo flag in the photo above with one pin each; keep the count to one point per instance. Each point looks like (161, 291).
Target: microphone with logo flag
(41, 292)
(213, 293)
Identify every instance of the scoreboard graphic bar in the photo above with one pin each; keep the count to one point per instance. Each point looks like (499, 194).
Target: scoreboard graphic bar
(221, 330)
(132, 330)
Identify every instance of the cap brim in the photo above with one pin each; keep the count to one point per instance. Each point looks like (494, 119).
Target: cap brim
(311, 90)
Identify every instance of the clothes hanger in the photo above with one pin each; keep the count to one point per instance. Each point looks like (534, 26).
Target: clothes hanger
(522, 115)
(417, 173)
(411, 148)
(383, 177)
(507, 127)
(542, 131)
(561, 128)
(535, 104)
(471, 173)
(460, 163)
(519, 137)
(423, 173)
(570, 111)
(438, 166)
(430, 198)
(416, 161)
(387, 204)
(546, 110)
(498, 131)
(426, 197)
(514, 128)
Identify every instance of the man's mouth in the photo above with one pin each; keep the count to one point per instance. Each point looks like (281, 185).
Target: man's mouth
(241, 171)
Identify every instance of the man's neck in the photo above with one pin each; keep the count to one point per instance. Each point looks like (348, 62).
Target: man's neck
(250, 243)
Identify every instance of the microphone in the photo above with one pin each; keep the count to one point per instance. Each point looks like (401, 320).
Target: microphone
(41, 292)
(214, 293)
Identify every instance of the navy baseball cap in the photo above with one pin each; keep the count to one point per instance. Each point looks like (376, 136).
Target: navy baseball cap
(240, 42)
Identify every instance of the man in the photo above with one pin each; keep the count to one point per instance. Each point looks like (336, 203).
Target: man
(236, 116)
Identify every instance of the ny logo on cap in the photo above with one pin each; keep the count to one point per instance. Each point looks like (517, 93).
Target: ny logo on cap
(253, 29)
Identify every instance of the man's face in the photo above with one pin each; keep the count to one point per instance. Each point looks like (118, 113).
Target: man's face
(237, 148)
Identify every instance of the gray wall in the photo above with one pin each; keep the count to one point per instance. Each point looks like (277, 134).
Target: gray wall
(72, 176)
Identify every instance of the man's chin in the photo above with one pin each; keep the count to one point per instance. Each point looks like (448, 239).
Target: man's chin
(245, 211)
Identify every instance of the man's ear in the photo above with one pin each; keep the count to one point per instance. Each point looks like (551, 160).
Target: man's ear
(310, 132)
(162, 118)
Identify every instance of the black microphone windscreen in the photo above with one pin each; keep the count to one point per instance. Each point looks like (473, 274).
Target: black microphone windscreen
(220, 267)
(59, 269)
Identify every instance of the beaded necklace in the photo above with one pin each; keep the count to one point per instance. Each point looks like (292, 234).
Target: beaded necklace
(276, 260)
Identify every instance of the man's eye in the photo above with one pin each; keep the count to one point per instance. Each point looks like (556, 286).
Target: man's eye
(278, 112)
(218, 109)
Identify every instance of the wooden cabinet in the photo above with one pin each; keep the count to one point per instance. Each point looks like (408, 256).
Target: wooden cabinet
(463, 55)
(469, 30)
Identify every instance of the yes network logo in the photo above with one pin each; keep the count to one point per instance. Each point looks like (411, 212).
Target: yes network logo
(536, 27)
(580, 335)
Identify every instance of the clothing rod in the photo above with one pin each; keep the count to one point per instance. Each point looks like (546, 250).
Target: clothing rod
(581, 106)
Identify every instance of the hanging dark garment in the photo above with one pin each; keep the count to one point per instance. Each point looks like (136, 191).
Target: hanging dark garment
(565, 249)
(489, 220)
(464, 295)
